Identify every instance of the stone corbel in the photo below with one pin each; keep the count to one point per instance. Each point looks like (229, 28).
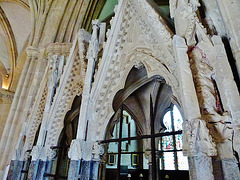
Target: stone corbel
(6, 96)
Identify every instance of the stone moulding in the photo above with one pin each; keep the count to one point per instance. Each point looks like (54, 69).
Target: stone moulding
(71, 84)
(119, 64)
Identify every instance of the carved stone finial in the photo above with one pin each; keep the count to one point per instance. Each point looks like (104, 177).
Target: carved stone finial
(95, 22)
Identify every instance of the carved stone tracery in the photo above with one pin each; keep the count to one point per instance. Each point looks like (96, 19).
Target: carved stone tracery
(71, 84)
(120, 62)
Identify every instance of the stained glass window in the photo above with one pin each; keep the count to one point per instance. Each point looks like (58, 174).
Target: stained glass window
(167, 121)
(177, 119)
(169, 162)
(171, 145)
(167, 143)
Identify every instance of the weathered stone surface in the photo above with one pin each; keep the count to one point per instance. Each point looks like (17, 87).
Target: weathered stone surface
(85, 170)
(41, 169)
(94, 170)
(32, 170)
(74, 169)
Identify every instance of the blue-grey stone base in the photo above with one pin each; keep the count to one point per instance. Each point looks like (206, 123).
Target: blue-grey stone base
(74, 168)
(85, 170)
(94, 170)
(32, 171)
(11, 170)
(18, 170)
(48, 167)
(200, 167)
(15, 170)
(230, 169)
(41, 170)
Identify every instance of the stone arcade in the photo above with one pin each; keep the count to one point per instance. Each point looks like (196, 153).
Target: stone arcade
(127, 89)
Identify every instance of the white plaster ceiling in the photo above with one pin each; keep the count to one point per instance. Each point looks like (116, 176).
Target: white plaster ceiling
(16, 20)
(4, 57)
(19, 19)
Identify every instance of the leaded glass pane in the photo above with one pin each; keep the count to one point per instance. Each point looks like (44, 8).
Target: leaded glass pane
(179, 141)
(168, 159)
(116, 131)
(182, 161)
(177, 119)
(167, 122)
(167, 143)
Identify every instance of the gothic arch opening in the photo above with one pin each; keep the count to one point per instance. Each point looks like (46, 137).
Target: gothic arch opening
(135, 136)
(61, 162)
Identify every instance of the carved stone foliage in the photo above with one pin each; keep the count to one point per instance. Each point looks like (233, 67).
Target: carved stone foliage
(150, 47)
(97, 151)
(70, 85)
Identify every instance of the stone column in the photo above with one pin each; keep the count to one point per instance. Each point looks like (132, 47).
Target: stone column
(75, 155)
(33, 167)
(230, 15)
(92, 58)
(85, 170)
(97, 151)
(45, 162)
(17, 99)
(231, 103)
(149, 158)
(192, 124)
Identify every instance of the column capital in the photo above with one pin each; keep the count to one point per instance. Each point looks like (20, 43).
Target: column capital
(97, 151)
(75, 152)
(43, 153)
(36, 150)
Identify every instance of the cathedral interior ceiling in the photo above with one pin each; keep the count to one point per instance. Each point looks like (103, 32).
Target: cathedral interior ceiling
(14, 31)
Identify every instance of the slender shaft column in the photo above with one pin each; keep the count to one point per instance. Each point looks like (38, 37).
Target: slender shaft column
(230, 15)
(94, 170)
(231, 103)
(73, 171)
(8, 140)
(11, 114)
(75, 154)
(92, 58)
